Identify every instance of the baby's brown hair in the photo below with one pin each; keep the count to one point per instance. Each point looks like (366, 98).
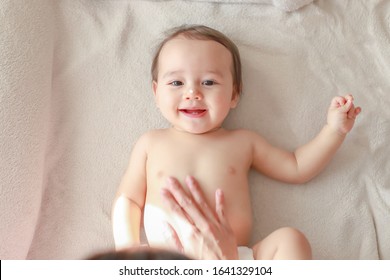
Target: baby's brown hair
(201, 32)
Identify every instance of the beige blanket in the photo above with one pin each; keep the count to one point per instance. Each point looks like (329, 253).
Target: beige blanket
(75, 94)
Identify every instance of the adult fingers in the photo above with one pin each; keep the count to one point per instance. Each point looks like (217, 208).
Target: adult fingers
(220, 207)
(200, 199)
(173, 238)
(173, 205)
(187, 203)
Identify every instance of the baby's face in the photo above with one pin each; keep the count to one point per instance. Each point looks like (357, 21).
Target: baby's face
(194, 87)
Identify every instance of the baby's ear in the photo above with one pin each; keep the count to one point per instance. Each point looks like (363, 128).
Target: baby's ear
(235, 99)
(154, 88)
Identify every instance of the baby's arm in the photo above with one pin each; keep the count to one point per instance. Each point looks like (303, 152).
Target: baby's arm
(130, 199)
(308, 160)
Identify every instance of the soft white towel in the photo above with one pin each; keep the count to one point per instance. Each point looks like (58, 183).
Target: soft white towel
(26, 49)
(76, 94)
(284, 5)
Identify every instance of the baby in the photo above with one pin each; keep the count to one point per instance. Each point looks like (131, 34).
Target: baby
(196, 81)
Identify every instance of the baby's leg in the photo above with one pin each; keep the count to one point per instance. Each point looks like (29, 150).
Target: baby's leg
(283, 244)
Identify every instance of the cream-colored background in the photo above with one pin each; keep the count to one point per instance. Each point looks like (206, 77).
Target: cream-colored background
(75, 94)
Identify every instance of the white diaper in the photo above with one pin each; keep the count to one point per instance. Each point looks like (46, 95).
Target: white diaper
(245, 253)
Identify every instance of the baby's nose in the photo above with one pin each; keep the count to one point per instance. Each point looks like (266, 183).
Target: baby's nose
(193, 93)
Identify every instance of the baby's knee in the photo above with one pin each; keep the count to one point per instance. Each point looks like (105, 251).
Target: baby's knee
(290, 232)
(294, 237)
(285, 243)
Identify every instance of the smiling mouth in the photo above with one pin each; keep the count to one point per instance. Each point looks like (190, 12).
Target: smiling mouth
(193, 112)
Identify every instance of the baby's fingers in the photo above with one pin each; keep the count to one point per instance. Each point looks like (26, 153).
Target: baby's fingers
(338, 102)
(349, 97)
(343, 102)
(352, 114)
(347, 107)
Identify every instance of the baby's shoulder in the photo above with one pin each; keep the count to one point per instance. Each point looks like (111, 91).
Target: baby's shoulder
(154, 132)
(153, 135)
(244, 133)
(245, 136)
(148, 140)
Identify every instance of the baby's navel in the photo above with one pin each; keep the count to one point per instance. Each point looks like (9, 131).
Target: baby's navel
(231, 170)
(160, 174)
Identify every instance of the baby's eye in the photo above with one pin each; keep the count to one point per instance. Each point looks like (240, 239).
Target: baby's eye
(208, 83)
(176, 83)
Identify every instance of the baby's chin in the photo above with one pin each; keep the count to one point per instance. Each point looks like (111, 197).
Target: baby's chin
(198, 131)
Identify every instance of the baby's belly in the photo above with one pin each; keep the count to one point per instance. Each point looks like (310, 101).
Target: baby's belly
(237, 210)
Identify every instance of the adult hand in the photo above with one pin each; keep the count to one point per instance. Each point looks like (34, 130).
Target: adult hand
(211, 235)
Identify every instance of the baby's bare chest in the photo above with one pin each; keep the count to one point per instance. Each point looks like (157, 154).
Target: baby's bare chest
(214, 165)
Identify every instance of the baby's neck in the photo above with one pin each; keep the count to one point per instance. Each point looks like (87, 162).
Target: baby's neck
(209, 132)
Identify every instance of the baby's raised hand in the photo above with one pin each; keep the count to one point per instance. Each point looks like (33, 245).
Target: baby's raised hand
(342, 113)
